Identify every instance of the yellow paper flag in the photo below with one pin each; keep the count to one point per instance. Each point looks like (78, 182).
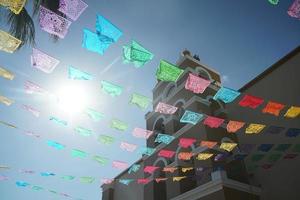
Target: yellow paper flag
(8, 43)
(186, 169)
(178, 178)
(204, 156)
(6, 74)
(228, 146)
(255, 128)
(6, 100)
(15, 6)
(292, 112)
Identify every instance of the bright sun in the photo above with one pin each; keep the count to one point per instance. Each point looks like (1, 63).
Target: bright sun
(72, 99)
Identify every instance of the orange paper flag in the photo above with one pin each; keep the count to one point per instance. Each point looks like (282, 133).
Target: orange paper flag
(234, 126)
(273, 108)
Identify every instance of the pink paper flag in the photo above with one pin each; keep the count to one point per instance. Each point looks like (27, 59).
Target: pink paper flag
(165, 108)
(31, 88)
(33, 111)
(53, 23)
(213, 122)
(3, 178)
(141, 133)
(25, 171)
(128, 147)
(72, 8)
(186, 142)
(107, 181)
(150, 169)
(160, 179)
(294, 10)
(143, 181)
(43, 61)
(30, 133)
(119, 164)
(196, 84)
(166, 153)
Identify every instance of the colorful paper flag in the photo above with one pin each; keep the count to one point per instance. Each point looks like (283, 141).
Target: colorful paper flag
(274, 130)
(101, 160)
(94, 115)
(3, 178)
(246, 148)
(128, 147)
(86, 179)
(32, 110)
(178, 178)
(265, 147)
(296, 148)
(16, 6)
(226, 95)
(294, 9)
(43, 61)
(106, 139)
(31, 88)
(208, 144)
(204, 156)
(139, 100)
(254, 128)
(166, 153)
(274, 157)
(147, 150)
(111, 88)
(58, 121)
(6, 101)
(169, 169)
(251, 101)
(72, 8)
(293, 111)
(273, 108)
(282, 147)
(136, 54)
(22, 184)
(164, 138)
(55, 145)
(83, 131)
(143, 181)
(8, 124)
(78, 153)
(6, 74)
(165, 108)
(125, 181)
(37, 188)
(141, 133)
(150, 169)
(292, 132)
(76, 74)
(234, 126)
(158, 180)
(134, 168)
(92, 43)
(257, 157)
(119, 164)
(221, 157)
(107, 181)
(68, 178)
(53, 23)
(185, 155)
(186, 169)
(186, 142)
(213, 122)
(46, 174)
(8, 43)
(168, 72)
(196, 84)
(228, 146)
(118, 125)
(274, 2)
(191, 117)
(290, 156)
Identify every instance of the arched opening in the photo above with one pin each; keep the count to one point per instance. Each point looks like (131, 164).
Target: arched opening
(158, 127)
(169, 90)
(203, 73)
(180, 111)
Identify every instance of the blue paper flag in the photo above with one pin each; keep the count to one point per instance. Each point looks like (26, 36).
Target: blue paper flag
(274, 129)
(265, 147)
(227, 95)
(77, 74)
(163, 138)
(92, 43)
(22, 184)
(58, 121)
(47, 174)
(106, 31)
(147, 151)
(125, 181)
(55, 145)
(292, 132)
(134, 168)
(191, 117)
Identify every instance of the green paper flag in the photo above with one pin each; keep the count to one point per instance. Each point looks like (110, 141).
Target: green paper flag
(118, 125)
(87, 179)
(78, 153)
(77, 74)
(136, 54)
(139, 100)
(83, 131)
(94, 115)
(68, 178)
(257, 157)
(100, 160)
(274, 2)
(111, 88)
(37, 188)
(105, 139)
(168, 72)
(274, 157)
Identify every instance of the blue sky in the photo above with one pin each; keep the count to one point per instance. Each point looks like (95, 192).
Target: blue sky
(239, 39)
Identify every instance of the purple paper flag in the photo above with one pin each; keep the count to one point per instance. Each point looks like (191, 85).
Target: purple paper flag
(53, 23)
(72, 8)
(33, 111)
(42, 61)
(294, 10)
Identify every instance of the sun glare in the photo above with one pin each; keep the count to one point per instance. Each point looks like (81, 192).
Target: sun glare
(72, 99)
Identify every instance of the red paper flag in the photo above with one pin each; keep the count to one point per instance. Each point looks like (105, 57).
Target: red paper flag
(186, 142)
(213, 122)
(166, 153)
(150, 169)
(143, 181)
(251, 101)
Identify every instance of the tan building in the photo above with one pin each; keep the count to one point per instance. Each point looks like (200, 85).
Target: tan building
(218, 180)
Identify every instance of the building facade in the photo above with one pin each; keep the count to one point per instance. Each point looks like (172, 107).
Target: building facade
(209, 179)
